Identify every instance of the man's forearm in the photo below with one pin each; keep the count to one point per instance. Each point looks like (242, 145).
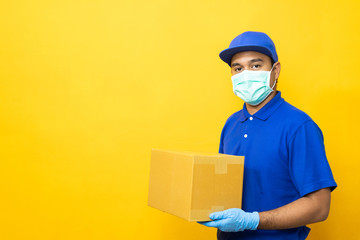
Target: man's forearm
(311, 208)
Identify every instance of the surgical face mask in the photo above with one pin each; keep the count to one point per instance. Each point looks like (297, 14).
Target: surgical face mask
(252, 86)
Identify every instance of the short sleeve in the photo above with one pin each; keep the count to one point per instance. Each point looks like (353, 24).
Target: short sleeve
(221, 145)
(309, 167)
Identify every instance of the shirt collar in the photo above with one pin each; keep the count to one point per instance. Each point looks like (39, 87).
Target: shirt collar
(266, 111)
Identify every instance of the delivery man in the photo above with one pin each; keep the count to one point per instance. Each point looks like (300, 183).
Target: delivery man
(287, 178)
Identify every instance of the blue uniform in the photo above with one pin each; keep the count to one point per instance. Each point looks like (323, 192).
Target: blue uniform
(284, 160)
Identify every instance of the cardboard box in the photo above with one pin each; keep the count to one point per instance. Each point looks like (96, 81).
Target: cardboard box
(192, 185)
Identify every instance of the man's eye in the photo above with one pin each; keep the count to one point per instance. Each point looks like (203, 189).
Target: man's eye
(237, 69)
(256, 66)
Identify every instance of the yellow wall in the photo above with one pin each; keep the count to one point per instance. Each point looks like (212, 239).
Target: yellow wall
(87, 88)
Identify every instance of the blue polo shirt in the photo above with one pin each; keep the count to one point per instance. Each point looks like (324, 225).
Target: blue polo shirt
(284, 160)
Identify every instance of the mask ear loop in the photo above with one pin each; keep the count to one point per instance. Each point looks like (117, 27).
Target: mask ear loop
(272, 88)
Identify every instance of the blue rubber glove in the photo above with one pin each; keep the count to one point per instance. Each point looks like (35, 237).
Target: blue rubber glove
(233, 220)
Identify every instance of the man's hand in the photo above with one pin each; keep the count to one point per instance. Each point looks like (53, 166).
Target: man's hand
(233, 220)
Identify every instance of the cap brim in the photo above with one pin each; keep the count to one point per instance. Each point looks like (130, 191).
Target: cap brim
(227, 54)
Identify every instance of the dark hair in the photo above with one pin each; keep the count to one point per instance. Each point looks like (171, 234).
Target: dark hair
(272, 61)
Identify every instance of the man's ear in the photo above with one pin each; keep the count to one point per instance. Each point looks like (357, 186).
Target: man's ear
(277, 69)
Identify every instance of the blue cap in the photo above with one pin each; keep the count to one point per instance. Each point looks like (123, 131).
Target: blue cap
(250, 41)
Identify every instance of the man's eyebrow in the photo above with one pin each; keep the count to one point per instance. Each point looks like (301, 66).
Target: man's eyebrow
(235, 64)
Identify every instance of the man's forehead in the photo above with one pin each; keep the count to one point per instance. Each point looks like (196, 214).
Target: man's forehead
(249, 56)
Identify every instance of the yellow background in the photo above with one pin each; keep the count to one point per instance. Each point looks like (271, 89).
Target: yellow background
(87, 88)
